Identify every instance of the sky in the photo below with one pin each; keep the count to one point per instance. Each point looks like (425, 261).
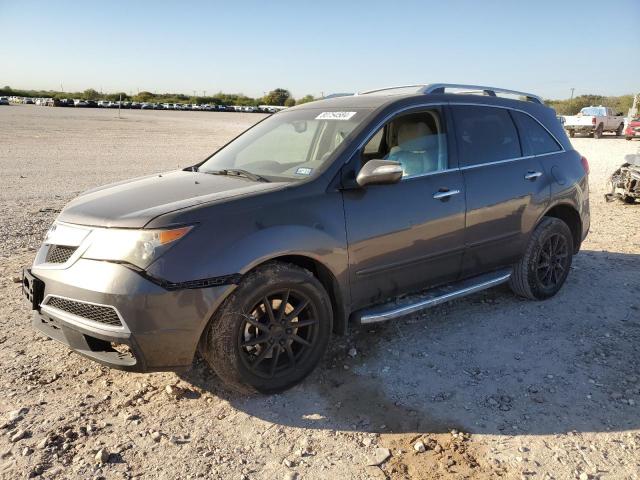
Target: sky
(545, 47)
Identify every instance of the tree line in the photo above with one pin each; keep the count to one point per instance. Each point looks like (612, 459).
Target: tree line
(278, 97)
(574, 105)
(282, 97)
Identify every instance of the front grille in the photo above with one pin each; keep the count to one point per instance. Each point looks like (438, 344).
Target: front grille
(97, 313)
(59, 253)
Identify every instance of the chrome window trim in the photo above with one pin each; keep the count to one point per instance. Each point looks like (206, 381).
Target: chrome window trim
(428, 174)
(82, 321)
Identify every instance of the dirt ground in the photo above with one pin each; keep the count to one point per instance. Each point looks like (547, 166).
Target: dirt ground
(493, 386)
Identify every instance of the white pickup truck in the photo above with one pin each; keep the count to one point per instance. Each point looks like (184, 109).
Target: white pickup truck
(594, 121)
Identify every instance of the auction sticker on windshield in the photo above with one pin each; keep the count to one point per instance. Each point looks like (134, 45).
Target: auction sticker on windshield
(335, 115)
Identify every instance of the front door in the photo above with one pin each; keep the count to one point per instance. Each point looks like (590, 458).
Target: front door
(409, 235)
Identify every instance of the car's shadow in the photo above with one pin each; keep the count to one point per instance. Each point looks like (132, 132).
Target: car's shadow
(491, 363)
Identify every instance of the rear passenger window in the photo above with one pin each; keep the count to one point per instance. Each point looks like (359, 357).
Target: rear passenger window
(535, 139)
(485, 134)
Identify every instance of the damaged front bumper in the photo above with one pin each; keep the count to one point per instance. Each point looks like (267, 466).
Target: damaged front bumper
(115, 316)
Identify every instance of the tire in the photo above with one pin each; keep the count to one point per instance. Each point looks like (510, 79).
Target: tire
(287, 353)
(628, 138)
(531, 278)
(572, 133)
(628, 199)
(619, 130)
(598, 132)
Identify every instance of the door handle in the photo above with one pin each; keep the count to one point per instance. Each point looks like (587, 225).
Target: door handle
(531, 175)
(442, 194)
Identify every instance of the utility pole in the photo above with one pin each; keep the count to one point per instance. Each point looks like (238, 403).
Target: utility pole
(572, 89)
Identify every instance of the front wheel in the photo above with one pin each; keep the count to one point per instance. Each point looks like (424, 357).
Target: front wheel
(271, 332)
(544, 267)
(572, 133)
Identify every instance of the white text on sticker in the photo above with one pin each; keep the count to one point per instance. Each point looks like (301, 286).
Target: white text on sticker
(335, 115)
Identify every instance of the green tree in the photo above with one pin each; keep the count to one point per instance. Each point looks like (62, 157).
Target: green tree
(289, 102)
(305, 99)
(144, 96)
(90, 94)
(277, 97)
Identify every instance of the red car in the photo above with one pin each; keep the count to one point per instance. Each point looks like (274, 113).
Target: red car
(633, 129)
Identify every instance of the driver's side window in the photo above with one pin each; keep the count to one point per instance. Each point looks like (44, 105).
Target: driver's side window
(417, 141)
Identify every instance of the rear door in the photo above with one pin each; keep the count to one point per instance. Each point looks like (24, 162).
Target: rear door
(506, 190)
(409, 235)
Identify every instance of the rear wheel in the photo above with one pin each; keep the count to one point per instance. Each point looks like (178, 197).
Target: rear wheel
(619, 130)
(572, 133)
(271, 332)
(628, 199)
(598, 132)
(545, 265)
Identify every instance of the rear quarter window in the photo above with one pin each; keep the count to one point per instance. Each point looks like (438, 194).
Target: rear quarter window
(485, 134)
(536, 140)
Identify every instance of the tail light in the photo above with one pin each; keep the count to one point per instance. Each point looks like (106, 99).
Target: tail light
(593, 120)
(585, 164)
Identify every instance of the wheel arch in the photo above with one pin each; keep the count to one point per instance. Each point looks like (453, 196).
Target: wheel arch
(328, 281)
(569, 215)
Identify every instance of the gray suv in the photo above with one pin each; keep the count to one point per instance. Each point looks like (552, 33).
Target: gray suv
(321, 215)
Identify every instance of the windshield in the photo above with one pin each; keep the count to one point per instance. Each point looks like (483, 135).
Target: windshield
(290, 145)
(592, 111)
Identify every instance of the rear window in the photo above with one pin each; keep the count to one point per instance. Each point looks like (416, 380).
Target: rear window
(535, 139)
(593, 111)
(485, 134)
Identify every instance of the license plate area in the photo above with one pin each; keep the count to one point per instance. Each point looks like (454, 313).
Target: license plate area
(32, 288)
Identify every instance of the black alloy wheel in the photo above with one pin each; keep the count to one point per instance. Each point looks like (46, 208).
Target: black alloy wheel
(278, 333)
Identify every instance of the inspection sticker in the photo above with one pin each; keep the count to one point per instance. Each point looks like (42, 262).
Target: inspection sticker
(335, 115)
(304, 171)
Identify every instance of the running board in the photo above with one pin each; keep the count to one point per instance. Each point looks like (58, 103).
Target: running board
(430, 298)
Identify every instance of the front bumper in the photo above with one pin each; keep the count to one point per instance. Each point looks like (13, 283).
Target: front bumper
(155, 329)
(632, 132)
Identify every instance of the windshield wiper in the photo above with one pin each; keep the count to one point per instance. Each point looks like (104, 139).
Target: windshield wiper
(238, 172)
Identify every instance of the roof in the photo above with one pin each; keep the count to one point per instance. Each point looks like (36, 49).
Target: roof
(373, 99)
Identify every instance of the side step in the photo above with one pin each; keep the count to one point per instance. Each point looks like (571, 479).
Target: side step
(430, 298)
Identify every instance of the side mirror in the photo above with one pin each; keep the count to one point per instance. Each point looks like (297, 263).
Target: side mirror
(379, 172)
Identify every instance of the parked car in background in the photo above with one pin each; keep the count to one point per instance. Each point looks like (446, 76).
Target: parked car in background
(594, 121)
(78, 102)
(4, 101)
(633, 129)
(325, 213)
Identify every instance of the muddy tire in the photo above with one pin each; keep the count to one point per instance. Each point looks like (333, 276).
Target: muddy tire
(545, 265)
(271, 332)
(628, 199)
(598, 131)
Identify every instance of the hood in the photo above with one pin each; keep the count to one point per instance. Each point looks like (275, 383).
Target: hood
(134, 203)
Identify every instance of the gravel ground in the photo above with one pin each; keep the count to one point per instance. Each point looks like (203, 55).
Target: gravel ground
(529, 389)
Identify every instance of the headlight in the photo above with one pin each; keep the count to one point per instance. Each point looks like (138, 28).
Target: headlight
(138, 247)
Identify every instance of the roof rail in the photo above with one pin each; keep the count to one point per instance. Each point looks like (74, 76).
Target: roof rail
(468, 89)
(491, 91)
